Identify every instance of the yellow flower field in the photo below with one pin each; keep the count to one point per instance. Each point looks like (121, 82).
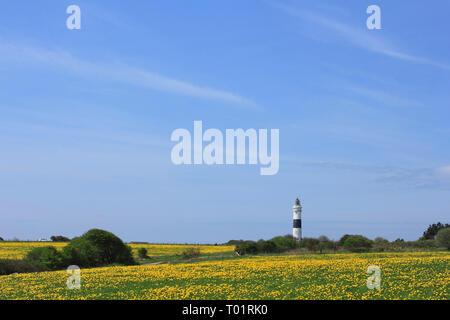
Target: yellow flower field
(159, 250)
(18, 250)
(409, 275)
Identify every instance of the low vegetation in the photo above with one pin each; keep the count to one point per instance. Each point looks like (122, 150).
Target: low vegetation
(143, 253)
(443, 238)
(59, 239)
(11, 266)
(436, 237)
(190, 253)
(48, 258)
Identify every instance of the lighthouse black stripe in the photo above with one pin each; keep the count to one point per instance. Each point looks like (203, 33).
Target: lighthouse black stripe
(297, 223)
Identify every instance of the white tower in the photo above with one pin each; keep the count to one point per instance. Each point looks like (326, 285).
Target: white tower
(297, 227)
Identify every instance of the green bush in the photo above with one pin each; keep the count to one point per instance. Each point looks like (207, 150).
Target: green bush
(189, 253)
(266, 246)
(59, 239)
(357, 243)
(142, 253)
(326, 244)
(97, 248)
(47, 257)
(443, 238)
(342, 240)
(73, 255)
(18, 266)
(274, 245)
(422, 244)
(247, 247)
(381, 244)
(310, 244)
(284, 243)
(380, 241)
(234, 242)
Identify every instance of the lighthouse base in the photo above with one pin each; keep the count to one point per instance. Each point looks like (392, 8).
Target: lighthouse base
(297, 234)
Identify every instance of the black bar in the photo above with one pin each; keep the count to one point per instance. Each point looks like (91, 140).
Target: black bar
(231, 309)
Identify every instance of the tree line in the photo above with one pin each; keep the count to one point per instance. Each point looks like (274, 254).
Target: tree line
(436, 236)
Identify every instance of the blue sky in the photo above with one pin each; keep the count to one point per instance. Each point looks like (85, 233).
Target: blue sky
(86, 118)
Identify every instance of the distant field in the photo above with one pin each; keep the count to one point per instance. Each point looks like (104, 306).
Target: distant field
(18, 250)
(407, 275)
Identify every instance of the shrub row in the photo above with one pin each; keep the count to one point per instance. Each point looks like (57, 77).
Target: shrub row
(274, 245)
(352, 243)
(189, 253)
(18, 266)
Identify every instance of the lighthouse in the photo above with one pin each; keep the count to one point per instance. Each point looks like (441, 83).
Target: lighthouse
(297, 227)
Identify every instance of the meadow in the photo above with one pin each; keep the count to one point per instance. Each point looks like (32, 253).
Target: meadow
(404, 275)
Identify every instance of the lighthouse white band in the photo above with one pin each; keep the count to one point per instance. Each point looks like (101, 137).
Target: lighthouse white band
(297, 233)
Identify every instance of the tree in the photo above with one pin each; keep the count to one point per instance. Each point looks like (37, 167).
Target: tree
(142, 253)
(234, 242)
(311, 244)
(59, 239)
(433, 229)
(381, 243)
(399, 242)
(443, 238)
(97, 248)
(325, 244)
(1, 239)
(357, 243)
(247, 247)
(284, 243)
(342, 239)
(266, 246)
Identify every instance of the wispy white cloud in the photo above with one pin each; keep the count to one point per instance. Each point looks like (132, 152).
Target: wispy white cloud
(444, 171)
(384, 93)
(381, 96)
(358, 37)
(428, 178)
(117, 72)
